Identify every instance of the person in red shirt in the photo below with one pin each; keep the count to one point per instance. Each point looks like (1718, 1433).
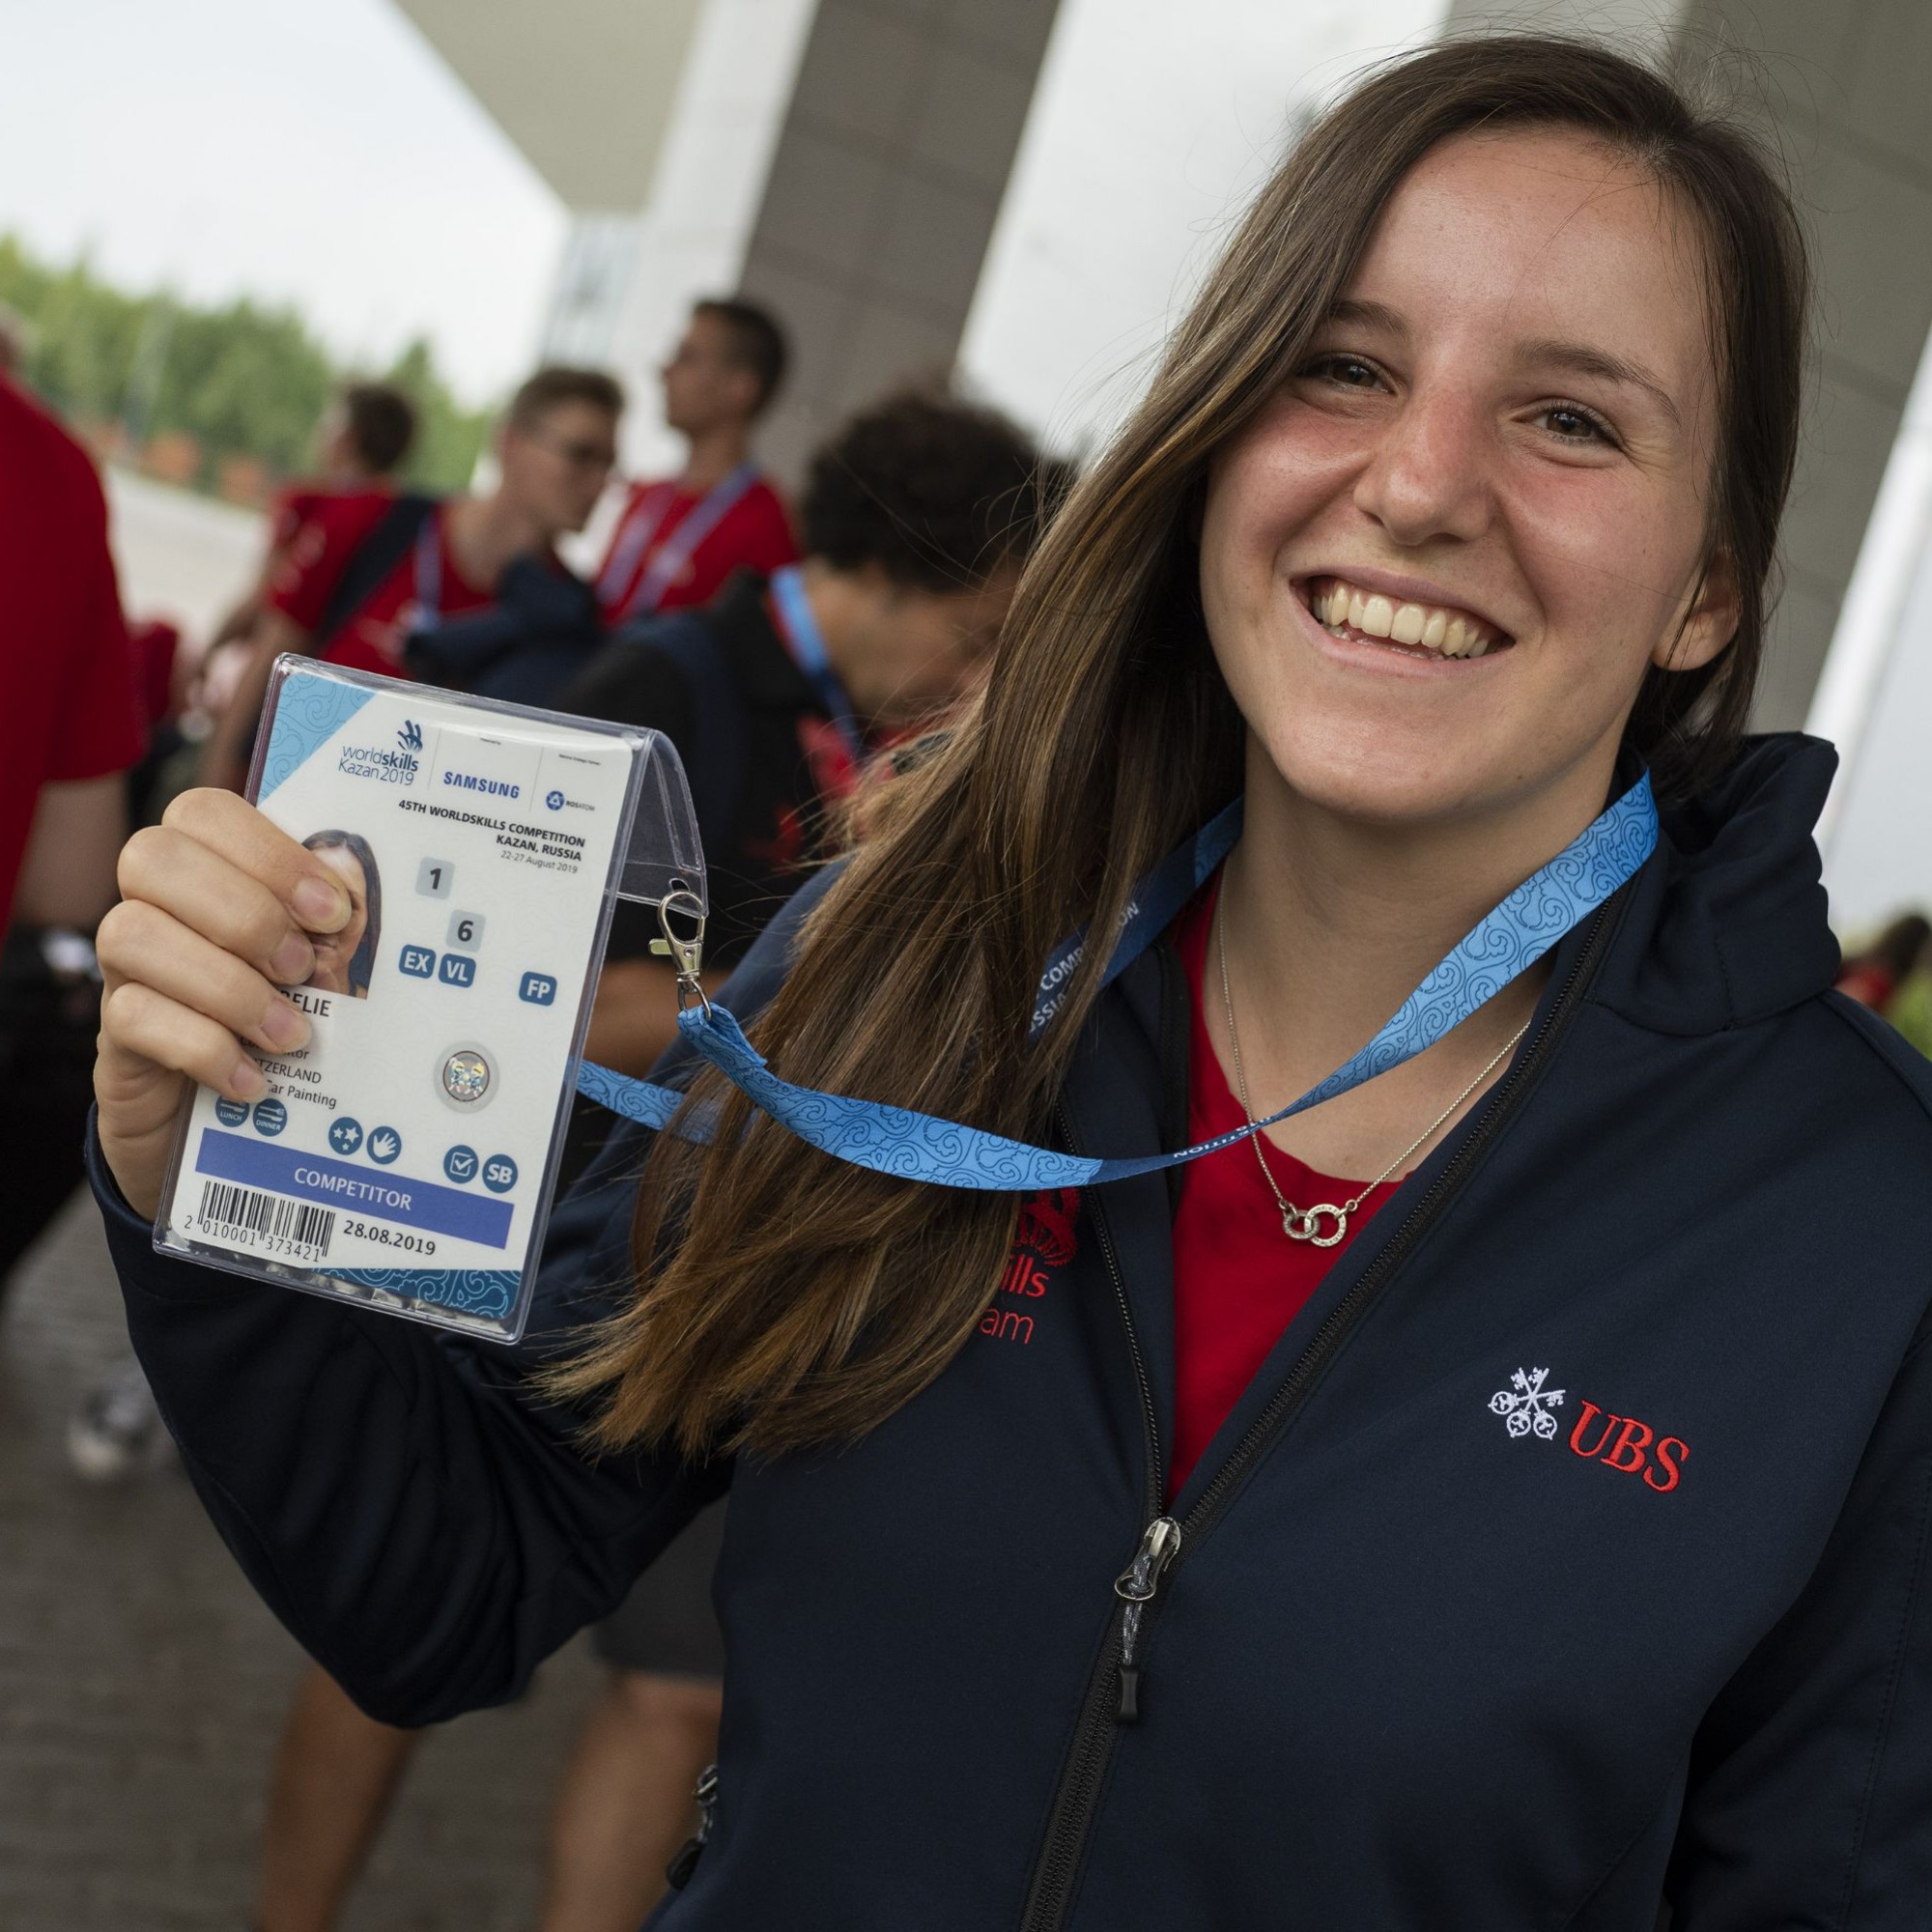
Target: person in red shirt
(360, 444)
(679, 538)
(70, 724)
(69, 728)
(368, 568)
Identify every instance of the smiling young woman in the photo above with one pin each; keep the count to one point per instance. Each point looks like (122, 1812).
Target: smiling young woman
(1497, 1496)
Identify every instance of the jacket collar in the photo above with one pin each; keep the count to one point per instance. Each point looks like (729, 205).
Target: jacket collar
(1726, 925)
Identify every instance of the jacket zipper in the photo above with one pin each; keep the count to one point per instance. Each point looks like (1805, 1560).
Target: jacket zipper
(1112, 1691)
(1094, 1735)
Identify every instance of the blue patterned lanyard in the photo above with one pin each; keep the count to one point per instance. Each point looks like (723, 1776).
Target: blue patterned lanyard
(798, 627)
(917, 1147)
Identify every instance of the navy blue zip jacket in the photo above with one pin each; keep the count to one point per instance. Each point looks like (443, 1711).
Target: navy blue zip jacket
(1565, 1558)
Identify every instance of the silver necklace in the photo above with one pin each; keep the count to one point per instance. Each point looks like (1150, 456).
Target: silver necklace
(1304, 1224)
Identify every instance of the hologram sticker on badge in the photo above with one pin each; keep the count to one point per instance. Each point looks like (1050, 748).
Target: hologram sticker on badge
(403, 1158)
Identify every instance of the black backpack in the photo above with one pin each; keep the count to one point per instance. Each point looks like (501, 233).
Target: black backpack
(718, 748)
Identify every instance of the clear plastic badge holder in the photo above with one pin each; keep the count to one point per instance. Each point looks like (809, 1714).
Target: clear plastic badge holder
(403, 1159)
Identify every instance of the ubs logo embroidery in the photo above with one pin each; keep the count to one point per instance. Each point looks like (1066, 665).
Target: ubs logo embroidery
(1525, 1405)
(1623, 1443)
(1045, 1240)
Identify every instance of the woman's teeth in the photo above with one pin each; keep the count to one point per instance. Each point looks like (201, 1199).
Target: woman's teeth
(1428, 627)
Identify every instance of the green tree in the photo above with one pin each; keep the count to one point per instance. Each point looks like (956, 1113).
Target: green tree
(450, 439)
(241, 379)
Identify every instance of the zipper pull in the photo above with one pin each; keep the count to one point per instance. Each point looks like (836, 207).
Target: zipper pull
(1135, 1586)
(678, 1874)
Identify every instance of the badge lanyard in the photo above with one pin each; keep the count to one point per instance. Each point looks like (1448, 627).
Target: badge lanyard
(641, 530)
(917, 1147)
(798, 627)
(429, 573)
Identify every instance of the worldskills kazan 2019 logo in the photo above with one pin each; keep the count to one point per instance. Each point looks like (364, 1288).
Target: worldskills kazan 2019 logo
(379, 762)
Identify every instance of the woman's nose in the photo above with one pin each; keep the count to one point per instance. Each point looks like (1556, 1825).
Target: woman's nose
(1429, 475)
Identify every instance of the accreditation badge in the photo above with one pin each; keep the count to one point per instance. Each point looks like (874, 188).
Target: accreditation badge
(404, 1159)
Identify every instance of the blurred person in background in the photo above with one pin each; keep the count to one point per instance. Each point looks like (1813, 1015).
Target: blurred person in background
(360, 442)
(69, 728)
(679, 538)
(1874, 976)
(368, 568)
(917, 516)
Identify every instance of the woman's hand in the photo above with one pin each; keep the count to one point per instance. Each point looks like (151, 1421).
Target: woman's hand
(216, 906)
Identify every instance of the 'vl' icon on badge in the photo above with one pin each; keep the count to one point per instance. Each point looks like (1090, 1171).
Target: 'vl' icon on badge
(1526, 1405)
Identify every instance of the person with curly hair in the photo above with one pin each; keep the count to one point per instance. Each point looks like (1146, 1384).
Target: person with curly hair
(917, 516)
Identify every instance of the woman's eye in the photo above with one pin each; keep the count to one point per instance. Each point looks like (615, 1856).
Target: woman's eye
(1575, 425)
(1350, 371)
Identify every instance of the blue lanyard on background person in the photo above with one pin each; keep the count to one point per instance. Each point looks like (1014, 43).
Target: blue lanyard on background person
(429, 572)
(798, 625)
(893, 1140)
(640, 529)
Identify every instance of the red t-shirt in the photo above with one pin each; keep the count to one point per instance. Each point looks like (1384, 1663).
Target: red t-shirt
(374, 636)
(296, 503)
(71, 709)
(755, 534)
(1239, 1280)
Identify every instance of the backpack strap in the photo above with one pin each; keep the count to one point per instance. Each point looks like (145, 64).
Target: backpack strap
(715, 766)
(386, 546)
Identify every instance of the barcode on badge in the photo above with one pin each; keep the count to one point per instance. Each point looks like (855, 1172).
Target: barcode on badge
(270, 1216)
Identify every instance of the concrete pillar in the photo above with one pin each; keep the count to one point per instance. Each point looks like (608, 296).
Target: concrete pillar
(713, 170)
(1847, 87)
(882, 191)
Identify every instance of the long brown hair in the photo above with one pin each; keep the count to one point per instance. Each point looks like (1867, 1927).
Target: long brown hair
(789, 1300)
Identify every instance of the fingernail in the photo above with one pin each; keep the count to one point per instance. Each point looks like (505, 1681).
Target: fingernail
(293, 961)
(248, 1082)
(319, 905)
(282, 1026)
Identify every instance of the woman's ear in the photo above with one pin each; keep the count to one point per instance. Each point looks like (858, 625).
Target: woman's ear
(1709, 622)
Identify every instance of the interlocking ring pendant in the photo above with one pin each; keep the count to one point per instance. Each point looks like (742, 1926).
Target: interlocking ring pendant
(1304, 1224)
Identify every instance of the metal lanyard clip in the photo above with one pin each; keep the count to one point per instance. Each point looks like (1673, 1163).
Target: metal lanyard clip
(685, 951)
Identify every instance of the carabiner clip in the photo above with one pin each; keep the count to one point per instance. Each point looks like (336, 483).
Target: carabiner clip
(686, 955)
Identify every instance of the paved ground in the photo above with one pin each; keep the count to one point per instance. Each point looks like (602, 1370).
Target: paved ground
(141, 1687)
(182, 556)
